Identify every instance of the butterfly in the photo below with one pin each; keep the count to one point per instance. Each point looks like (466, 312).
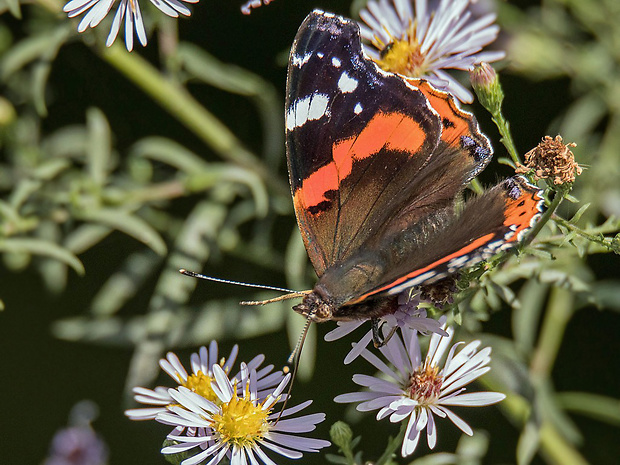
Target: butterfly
(377, 163)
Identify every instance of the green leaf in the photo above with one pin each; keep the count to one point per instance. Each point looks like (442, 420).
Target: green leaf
(171, 153)
(129, 224)
(99, 146)
(601, 408)
(525, 318)
(13, 6)
(607, 294)
(577, 216)
(528, 443)
(125, 283)
(85, 236)
(219, 173)
(44, 248)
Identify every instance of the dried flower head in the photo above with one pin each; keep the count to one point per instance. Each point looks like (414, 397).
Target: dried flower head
(552, 159)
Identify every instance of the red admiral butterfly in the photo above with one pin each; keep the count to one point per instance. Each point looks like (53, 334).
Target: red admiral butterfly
(376, 161)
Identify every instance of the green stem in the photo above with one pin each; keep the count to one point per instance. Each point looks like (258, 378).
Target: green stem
(393, 445)
(182, 105)
(600, 239)
(504, 129)
(559, 311)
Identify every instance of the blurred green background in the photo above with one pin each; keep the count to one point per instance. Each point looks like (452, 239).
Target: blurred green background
(80, 159)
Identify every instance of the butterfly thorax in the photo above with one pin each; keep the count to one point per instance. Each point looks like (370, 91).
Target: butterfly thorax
(338, 288)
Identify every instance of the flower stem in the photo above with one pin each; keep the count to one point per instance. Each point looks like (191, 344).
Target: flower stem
(559, 311)
(504, 129)
(392, 446)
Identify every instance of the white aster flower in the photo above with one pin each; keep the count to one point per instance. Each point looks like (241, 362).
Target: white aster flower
(421, 42)
(417, 390)
(239, 425)
(129, 10)
(199, 381)
(408, 315)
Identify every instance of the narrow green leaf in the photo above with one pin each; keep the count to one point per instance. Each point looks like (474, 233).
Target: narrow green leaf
(51, 168)
(85, 236)
(171, 153)
(129, 224)
(607, 294)
(125, 283)
(528, 443)
(43, 248)
(43, 67)
(66, 142)
(210, 70)
(218, 173)
(99, 146)
(13, 6)
(599, 407)
(577, 216)
(525, 318)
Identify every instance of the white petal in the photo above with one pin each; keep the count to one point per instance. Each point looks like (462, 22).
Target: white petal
(474, 399)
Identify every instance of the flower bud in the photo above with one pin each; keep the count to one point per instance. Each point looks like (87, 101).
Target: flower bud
(341, 435)
(486, 84)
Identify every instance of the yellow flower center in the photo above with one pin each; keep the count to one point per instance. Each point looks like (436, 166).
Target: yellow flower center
(403, 56)
(241, 422)
(201, 384)
(425, 385)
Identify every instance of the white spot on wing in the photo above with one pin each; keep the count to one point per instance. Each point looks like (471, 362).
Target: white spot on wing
(430, 276)
(309, 108)
(299, 61)
(358, 108)
(336, 62)
(346, 83)
(320, 54)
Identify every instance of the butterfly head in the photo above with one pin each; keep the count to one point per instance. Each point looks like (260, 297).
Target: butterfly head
(316, 307)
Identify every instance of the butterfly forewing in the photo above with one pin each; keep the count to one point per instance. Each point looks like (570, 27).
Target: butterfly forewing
(366, 150)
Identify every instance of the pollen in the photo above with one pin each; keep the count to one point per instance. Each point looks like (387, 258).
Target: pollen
(425, 384)
(201, 384)
(241, 422)
(403, 56)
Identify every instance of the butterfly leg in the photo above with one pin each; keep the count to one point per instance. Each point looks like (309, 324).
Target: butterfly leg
(377, 339)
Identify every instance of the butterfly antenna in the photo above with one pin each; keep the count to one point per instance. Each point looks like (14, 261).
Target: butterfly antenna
(193, 274)
(293, 360)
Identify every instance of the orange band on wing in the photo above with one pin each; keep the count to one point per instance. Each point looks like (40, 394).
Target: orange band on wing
(403, 134)
(459, 253)
(520, 213)
(455, 123)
